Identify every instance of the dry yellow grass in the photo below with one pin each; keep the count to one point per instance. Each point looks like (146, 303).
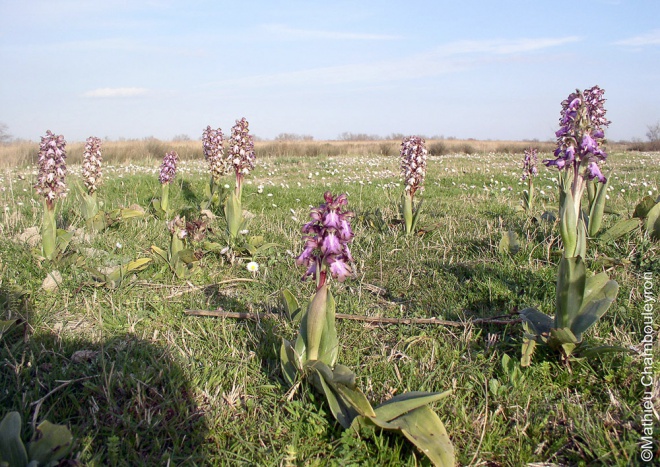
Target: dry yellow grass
(117, 152)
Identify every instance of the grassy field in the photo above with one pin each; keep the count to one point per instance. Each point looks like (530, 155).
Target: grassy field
(139, 382)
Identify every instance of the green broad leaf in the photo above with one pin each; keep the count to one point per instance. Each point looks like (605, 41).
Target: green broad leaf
(329, 344)
(52, 443)
(138, 264)
(48, 234)
(12, 450)
(528, 347)
(313, 323)
(407, 213)
(604, 262)
(652, 224)
(643, 207)
(187, 255)
(609, 209)
(509, 243)
(290, 305)
(591, 190)
(300, 347)
(233, 215)
(213, 247)
(571, 279)
(590, 352)
(403, 403)
(426, 431)
(596, 302)
(121, 271)
(287, 362)
(344, 375)
(581, 247)
(126, 213)
(343, 412)
(99, 222)
(160, 253)
(597, 208)
(416, 214)
(619, 229)
(539, 322)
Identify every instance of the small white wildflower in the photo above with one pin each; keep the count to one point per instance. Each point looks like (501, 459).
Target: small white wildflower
(244, 232)
(118, 245)
(253, 266)
(226, 187)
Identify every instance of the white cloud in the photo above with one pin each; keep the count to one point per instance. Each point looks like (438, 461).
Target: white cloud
(650, 38)
(285, 32)
(115, 92)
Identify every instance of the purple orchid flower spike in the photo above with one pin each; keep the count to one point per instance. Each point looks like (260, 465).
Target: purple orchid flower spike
(52, 168)
(168, 167)
(326, 241)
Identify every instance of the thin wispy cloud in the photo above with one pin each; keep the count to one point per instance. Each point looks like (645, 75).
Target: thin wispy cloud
(650, 38)
(102, 93)
(504, 46)
(285, 32)
(448, 58)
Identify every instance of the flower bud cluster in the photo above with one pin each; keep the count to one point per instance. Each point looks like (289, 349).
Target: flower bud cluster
(581, 131)
(413, 163)
(530, 161)
(168, 167)
(326, 239)
(91, 167)
(52, 167)
(214, 152)
(241, 148)
(177, 227)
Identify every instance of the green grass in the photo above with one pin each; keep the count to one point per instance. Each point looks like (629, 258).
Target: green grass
(159, 386)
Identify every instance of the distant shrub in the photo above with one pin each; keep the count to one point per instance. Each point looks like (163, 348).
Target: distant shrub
(438, 148)
(644, 146)
(466, 148)
(387, 148)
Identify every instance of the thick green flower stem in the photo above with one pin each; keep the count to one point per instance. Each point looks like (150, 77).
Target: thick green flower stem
(408, 212)
(49, 231)
(530, 195)
(165, 198)
(571, 226)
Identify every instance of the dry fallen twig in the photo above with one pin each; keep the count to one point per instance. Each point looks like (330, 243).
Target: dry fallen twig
(367, 319)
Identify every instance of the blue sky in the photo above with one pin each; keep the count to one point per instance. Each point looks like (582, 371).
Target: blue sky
(468, 69)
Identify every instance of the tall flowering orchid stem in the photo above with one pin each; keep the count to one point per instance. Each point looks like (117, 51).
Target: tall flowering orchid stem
(242, 158)
(529, 171)
(241, 152)
(92, 177)
(214, 152)
(91, 167)
(166, 176)
(581, 132)
(413, 170)
(50, 184)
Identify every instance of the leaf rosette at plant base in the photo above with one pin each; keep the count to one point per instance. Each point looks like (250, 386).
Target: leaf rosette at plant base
(581, 301)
